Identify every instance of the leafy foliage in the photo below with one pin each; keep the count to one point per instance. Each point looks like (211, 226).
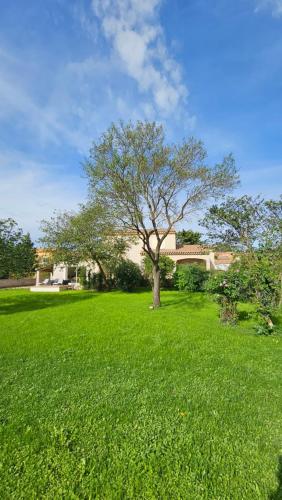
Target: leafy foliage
(90, 280)
(235, 224)
(188, 237)
(253, 227)
(190, 278)
(17, 253)
(87, 236)
(264, 290)
(229, 288)
(127, 276)
(148, 183)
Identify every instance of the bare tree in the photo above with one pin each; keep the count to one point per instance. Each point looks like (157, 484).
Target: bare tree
(152, 185)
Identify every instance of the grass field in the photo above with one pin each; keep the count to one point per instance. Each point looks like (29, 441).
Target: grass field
(103, 398)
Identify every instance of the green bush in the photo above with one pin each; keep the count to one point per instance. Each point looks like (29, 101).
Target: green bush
(166, 265)
(229, 288)
(264, 291)
(190, 278)
(127, 276)
(256, 281)
(90, 280)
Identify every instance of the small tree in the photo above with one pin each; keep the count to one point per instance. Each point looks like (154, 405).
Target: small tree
(252, 227)
(188, 237)
(88, 236)
(17, 252)
(25, 257)
(236, 224)
(264, 290)
(229, 288)
(152, 185)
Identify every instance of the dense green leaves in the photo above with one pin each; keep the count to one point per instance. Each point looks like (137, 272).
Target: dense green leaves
(17, 253)
(190, 278)
(188, 237)
(253, 228)
(127, 276)
(229, 288)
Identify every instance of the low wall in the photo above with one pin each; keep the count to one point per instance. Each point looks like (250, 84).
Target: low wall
(11, 283)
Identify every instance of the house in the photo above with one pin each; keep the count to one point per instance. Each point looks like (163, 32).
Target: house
(187, 254)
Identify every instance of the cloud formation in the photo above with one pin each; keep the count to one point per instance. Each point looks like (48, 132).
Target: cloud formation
(32, 190)
(137, 39)
(274, 5)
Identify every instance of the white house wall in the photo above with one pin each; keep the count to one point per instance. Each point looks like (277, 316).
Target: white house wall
(60, 271)
(136, 254)
(135, 249)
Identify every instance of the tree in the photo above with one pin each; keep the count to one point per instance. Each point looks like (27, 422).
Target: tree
(236, 224)
(152, 185)
(188, 237)
(17, 253)
(127, 276)
(252, 227)
(272, 236)
(166, 265)
(229, 288)
(88, 236)
(24, 257)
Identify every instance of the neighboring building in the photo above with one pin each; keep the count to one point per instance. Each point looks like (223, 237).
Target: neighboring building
(188, 254)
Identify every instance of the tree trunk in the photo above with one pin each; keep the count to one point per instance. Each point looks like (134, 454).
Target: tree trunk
(156, 286)
(103, 274)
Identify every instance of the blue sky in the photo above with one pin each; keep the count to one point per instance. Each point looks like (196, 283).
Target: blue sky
(212, 69)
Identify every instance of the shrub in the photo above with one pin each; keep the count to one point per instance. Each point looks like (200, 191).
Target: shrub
(229, 288)
(190, 278)
(127, 276)
(90, 280)
(265, 286)
(166, 270)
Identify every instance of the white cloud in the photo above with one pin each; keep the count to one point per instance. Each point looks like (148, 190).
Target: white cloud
(32, 190)
(274, 5)
(137, 39)
(46, 119)
(54, 105)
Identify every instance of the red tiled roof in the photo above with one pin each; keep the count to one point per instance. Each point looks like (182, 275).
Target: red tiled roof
(185, 250)
(188, 249)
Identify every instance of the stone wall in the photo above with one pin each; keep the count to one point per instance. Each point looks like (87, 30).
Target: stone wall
(12, 283)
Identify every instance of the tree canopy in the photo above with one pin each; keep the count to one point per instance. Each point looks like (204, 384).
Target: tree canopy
(252, 227)
(150, 184)
(17, 253)
(188, 237)
(87, 236)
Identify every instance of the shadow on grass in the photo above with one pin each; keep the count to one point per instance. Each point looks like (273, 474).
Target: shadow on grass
(245, 315)
(277, 494)
(193, 300)
(32, 301)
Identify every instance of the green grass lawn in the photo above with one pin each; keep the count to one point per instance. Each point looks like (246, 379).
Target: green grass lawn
(103, 398)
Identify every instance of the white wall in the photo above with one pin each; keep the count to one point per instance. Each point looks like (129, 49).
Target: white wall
(60, 272)
(135, 249)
